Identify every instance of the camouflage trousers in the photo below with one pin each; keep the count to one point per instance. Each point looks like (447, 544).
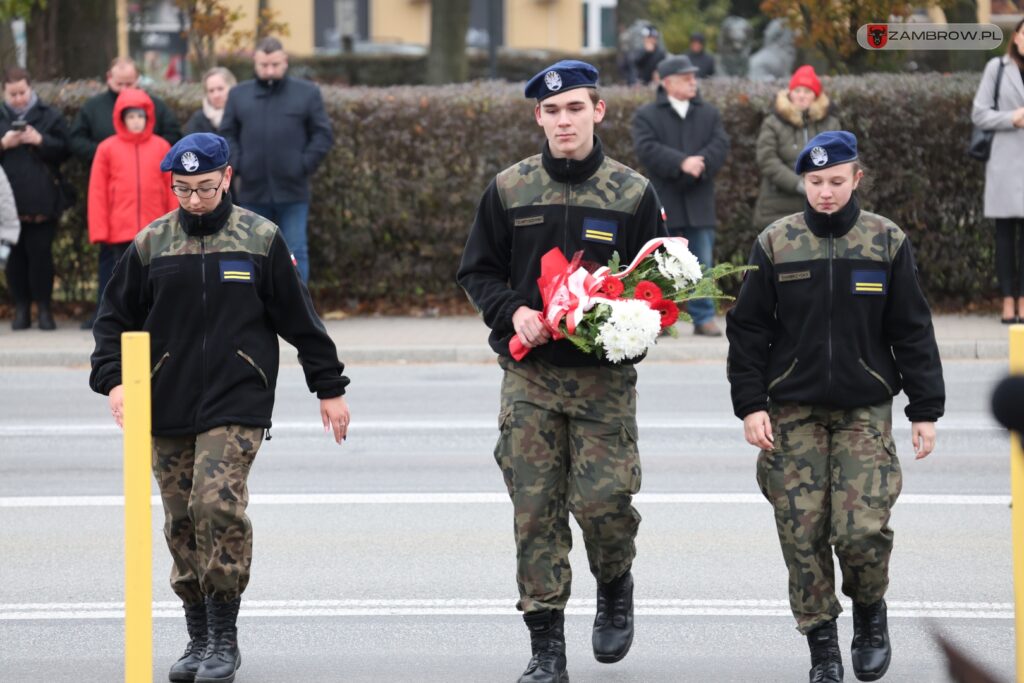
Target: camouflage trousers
(568, 443)
(832, 478)
(202, 481)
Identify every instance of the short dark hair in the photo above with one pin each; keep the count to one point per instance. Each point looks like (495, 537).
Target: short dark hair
(595, 96)
(13, 74)
(268, 45)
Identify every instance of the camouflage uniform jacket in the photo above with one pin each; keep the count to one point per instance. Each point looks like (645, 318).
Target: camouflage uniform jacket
(597, 206)
(214, 292)
(833, 316)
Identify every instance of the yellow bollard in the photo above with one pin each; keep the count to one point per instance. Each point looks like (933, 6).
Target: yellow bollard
(138, 524)
(1017, 496)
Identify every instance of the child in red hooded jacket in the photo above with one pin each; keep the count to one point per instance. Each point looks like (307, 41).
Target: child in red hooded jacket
(127, 191)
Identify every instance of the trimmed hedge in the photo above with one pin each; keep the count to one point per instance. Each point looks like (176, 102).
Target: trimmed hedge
(395, 197)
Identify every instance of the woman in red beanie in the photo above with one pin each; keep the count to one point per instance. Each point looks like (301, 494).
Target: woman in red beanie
(800, 112)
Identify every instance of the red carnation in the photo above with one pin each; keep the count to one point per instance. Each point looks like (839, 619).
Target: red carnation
(647, 291)
(669, 312)
(612, 287)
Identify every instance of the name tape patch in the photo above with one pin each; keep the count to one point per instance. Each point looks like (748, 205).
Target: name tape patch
(597, 230)
(236, 271)
(868, 282)
(528, 220)
(795, 275)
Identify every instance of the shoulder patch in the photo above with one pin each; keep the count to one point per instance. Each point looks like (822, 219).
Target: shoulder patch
(527, 184)
(614, 187)
(789, 240)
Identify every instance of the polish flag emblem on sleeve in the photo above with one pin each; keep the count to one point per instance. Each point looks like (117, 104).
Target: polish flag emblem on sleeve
(664, 216)
(295, 261)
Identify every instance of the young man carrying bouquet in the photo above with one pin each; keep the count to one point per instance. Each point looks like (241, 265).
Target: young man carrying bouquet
(568, 417)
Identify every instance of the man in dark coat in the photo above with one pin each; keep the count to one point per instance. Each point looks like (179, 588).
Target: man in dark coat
(95, 123)
(644, 62)
(681, 143)
(701, 58)
(279, 133)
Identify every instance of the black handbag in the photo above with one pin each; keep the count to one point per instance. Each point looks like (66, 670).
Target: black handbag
(980, 146)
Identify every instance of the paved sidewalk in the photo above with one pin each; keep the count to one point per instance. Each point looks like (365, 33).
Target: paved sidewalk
(463, 339)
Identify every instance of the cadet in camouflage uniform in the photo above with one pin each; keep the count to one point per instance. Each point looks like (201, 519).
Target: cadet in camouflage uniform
(568, 437)
(828, 329)
(214, 285)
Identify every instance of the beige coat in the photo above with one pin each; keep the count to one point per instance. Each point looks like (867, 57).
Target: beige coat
(784, 134)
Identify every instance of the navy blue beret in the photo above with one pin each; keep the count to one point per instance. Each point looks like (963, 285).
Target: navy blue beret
(196, 153)
(567, 74)
(827, 149)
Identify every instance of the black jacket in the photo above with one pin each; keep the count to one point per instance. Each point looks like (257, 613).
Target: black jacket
(198, 123)
(704, 61)
(540, 203)
(214, 293)
(644, 64)
(278, 133)
(95, 123)
(663, 140)
(833, 316)
(34, 171)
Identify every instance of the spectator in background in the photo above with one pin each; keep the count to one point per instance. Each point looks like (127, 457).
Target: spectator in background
(10, 226)
(217, 82)
(127, 191)
(645, 62)
(279, 133)
(701, 58)
(682, 144)
(95, 123)
(34, 141)
(799, 113)
(1004, 200)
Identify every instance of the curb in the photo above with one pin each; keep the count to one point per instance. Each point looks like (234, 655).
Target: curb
(965, 349)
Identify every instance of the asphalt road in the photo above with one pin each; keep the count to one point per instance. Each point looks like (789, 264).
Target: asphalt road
(391, 558)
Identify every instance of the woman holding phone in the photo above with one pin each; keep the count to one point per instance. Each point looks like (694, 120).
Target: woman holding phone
(34, 141)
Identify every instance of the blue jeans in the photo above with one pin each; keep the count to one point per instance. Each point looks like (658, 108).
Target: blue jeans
(702, 244)
(291, 217)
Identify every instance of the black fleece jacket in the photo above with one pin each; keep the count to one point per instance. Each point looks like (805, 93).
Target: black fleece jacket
(214, 292)
(597, 206)
(833, 316)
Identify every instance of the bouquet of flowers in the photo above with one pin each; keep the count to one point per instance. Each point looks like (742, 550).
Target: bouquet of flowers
(619, 313)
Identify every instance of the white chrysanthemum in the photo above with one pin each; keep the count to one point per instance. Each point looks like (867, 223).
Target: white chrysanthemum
(629, 331)
(678, 264)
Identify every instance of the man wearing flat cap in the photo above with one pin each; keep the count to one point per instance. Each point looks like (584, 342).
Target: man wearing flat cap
(682, 145)
(214, 285)
(568, 434)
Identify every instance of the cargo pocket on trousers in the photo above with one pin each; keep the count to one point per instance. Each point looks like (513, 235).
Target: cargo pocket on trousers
(887, 478)
(505, 447)
(629, 436)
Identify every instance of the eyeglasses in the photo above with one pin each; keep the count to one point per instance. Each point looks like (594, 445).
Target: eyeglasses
(186, 192)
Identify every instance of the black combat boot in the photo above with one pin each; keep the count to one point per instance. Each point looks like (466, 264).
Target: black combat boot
(613, 625)
(221, 658)
(46, 321)
(826, 660)
(195, 620)
(547, 641)
(22, 318)
(870, 651)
